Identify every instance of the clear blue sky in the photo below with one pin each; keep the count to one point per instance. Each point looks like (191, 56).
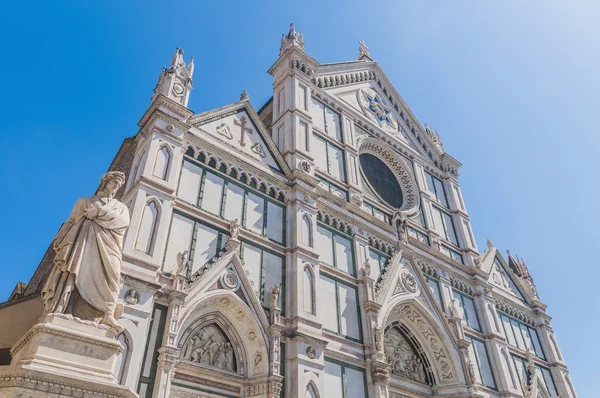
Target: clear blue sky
(511, 86)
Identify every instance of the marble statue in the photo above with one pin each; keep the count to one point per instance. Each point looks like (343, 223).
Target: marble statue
(234, 229)
(275, 291)
(182, 262)
(363, 50)
(86, 278)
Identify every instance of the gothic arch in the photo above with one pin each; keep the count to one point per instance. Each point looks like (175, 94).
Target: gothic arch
(306, 230)
(212, 341)
(148, 225)
(506, 362)
(308, 285)
(405, 354)
(162, 161)
(432, 337)
(240, 323)
(311, 390)
(124, 357)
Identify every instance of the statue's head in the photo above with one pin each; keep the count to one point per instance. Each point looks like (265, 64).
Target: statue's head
(111, 182)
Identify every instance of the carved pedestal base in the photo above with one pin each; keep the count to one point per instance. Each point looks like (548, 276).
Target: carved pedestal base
(66, 357)
(61, 344)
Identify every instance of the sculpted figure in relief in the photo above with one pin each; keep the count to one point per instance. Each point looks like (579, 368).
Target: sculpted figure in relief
(210, 346)
(401, 357)
(86, 278)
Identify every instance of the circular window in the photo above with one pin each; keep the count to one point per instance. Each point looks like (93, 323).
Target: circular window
(381, 179)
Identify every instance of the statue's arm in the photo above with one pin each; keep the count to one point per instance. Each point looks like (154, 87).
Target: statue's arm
(76, 213)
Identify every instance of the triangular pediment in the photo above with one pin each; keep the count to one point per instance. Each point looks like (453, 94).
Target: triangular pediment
(364, 87)
(239, 128)
(500, 275)
(226, 272)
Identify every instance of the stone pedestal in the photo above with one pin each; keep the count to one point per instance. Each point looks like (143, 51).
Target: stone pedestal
(62, 356)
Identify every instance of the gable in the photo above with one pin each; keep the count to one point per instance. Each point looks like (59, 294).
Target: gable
(500, 277)
(368, 100)
(239, 131)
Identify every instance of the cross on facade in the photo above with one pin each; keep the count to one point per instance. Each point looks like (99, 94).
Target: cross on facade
(244, 129)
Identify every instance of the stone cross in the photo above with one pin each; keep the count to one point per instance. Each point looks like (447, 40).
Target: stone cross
(243, 128)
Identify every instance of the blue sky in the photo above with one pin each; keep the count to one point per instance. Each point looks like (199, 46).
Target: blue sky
(511, 86)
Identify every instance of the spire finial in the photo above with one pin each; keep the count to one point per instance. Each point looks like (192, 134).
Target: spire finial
(244, 96)
(293, 39)
(489, 244)
(363, 51)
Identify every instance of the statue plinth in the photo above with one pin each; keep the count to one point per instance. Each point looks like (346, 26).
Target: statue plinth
(65, 356)
(60, 344)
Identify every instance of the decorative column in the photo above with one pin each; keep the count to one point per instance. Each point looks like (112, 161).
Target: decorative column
(455, 317)
(380, 370)
(275, 329)
(169, 354)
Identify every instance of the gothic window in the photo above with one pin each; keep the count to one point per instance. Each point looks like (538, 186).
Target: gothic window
(311, 391)
(480, 360)
(162, 163)
(226, 199)
(381, 179)
(378, 262)
(148, 227)
(521, 336)
(306, 228)
(435, 289)
(338, 308)
(210, 347)
(436, 188)
(544, 375)
(309, 290)
(443, 225)
(189, 182)
(199, 240)
(303, 135)
(153, 343)
(265, 269)
(405, 356)
(326, 120)
(470, 314)
(506, 364)
(329, 158)
(343, 380)
(123, 359)
(492, 315)
(335, 249)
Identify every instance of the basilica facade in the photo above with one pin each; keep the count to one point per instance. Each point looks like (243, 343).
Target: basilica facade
(316, 247)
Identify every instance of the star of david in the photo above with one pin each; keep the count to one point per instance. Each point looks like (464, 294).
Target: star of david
(378, 109)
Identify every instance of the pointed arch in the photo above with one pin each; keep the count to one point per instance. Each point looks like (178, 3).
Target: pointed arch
(124, 357)
(162, 162)
(306, 230)
(492, 314)
(431, 334)
(405, 354)
(308, 281)
(506, 363)
(148, 226)
(245, 328)
(311, 390)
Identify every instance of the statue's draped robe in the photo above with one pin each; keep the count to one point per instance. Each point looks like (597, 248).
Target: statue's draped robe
(88, 256)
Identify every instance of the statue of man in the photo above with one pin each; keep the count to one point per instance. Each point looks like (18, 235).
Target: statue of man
(86, 278)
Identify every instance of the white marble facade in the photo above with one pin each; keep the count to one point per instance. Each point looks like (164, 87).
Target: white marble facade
(263, 259)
